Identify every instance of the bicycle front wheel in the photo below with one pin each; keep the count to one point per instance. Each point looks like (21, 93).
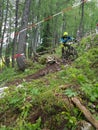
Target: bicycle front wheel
(73, 54)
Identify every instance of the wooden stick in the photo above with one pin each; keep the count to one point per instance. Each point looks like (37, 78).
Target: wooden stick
(86, 112)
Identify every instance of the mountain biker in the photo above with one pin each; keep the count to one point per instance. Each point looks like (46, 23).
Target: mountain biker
(64, 39)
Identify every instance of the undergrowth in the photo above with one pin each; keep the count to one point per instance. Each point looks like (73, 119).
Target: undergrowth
(45, 102)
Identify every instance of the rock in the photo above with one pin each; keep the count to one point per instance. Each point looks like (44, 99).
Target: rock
(20, 86)
(84, 125)
(50, 60)
(2, 91)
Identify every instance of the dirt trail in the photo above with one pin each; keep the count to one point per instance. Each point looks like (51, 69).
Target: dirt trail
(50, 68)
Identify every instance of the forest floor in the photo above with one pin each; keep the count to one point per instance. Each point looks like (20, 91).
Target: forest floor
(71, 92)
(49, 68)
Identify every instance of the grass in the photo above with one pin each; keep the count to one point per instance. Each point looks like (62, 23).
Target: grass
(42, 103)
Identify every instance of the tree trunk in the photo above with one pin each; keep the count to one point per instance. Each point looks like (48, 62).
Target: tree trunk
(15, 37)
(7, 58)
(21, 59)
(1, 22)
(4, 30)
(81, 30)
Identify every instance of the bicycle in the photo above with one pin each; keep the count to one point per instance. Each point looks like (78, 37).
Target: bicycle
(69, 53)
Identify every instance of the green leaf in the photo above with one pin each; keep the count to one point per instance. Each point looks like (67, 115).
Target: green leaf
(70, 93)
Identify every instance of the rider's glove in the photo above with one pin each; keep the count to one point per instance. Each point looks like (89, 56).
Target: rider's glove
(61, 45)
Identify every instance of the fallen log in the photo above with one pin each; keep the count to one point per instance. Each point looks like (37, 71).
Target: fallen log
(51, 51)
(86, 112)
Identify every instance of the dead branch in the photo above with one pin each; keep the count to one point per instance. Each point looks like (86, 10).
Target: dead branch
(51, 51)
(86, 112)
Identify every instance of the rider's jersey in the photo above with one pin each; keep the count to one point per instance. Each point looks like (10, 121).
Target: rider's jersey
(65, 39)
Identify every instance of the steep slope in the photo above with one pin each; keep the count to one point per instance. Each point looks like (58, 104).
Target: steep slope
(46, 103)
